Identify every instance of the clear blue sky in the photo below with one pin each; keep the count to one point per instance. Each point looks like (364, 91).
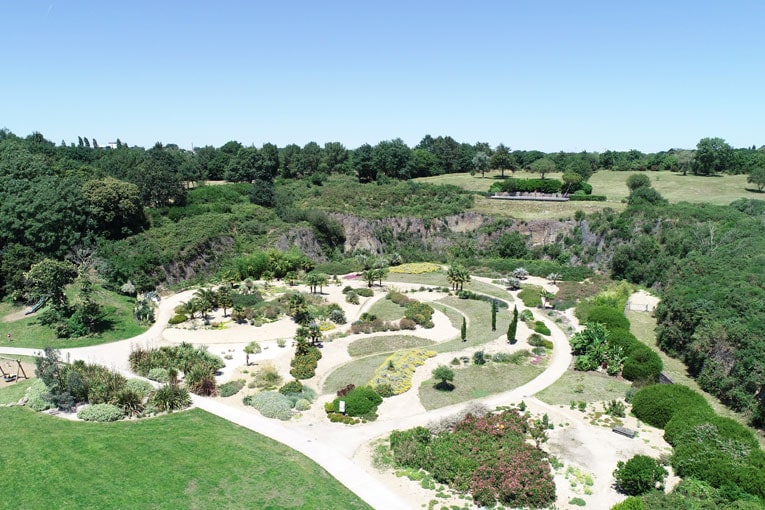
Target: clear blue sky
(547, 75)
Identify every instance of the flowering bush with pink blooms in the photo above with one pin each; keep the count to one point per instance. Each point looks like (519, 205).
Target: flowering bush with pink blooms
(487, 456)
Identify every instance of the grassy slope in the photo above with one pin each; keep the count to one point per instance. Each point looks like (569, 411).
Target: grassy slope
(184, 460)
(674, 187)
(27, 333)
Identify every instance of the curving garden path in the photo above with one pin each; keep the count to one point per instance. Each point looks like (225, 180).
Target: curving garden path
(333, 446)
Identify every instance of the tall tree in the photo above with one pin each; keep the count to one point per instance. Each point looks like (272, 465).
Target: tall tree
(363, 163)
(481, 162)
(512, 328)
(392, 157)
(463, 330)
(713, 155)
(543, 166)
(502, 159)
(494, 314)
(114, 207)
(48, 279)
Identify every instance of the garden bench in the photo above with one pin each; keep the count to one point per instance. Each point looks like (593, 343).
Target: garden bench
(624, 431)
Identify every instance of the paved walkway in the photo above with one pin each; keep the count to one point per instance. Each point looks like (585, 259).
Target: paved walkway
(332, 446)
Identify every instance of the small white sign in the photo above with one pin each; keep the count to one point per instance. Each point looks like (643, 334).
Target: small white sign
(342, 406)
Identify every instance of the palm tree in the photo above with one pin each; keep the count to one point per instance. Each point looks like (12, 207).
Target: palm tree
(554, 278)
(251, 348)
(225, 300)
(369, 276)
(457, 276)
(208, 300)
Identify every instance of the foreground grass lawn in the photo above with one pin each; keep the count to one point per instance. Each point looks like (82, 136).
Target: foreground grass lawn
(184, 460)
(476, 381)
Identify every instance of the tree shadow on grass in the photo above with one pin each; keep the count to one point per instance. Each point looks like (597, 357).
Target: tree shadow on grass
(444, 386)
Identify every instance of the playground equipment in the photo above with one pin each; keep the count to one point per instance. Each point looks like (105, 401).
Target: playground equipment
(36, 306)
(6, 372)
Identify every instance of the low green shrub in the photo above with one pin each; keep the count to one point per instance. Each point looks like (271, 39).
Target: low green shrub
(526, 315)
(657, 404)
(360, 401)
(271, 404)
(100, 413)
(639, 475)
(170, 398)
(231, 388)
(587, 198)
(36, 394)
(139, 386)
(515, 358)
(291, 387)
(364, 292)
(178, 318)
(384, 390)
(642, 364)
(352, 298)
(541, 328)
(612, 318)
(159, 375)
(631, 503)
(302, 405)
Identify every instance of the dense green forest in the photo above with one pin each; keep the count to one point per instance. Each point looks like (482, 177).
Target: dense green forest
(127, 217)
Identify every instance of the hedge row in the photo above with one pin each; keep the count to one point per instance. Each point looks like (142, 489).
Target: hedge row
(512, 185)
(587, 198)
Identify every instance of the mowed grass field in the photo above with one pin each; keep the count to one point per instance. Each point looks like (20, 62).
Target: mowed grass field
(191, 459)
(720, 190)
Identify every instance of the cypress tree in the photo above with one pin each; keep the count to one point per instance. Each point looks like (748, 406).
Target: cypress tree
(494, 315)
(513, 326)
(463, 331)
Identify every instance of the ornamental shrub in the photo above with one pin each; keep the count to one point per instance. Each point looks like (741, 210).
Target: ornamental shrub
(302, 405)
(231, 388)
(541, 328)
(631, 503)
(611, 318)
(139, 386)
(360, 401)
(170, 398)
(178, 318)
(159, 375)
(657, 404)
(36, 394)
(405, 323)
(271, 404)
(352, 298)
(639, 475)
(291, 387)
(526, 315)
(364, 292)
(642, 364)
(100, 413)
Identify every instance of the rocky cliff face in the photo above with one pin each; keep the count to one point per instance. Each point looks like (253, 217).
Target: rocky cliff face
(384, 235)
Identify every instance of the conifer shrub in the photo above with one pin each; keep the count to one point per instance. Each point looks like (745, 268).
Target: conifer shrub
(361, 401)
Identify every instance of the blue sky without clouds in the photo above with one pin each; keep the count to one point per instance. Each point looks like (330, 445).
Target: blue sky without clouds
(546, 75)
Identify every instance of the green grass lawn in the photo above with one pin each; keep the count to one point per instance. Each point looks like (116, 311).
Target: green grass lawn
(379, 344)
(387, 310)
(27, 332)
(476, 381)
(358, 372)
(184, 460)
(12, 393)
(436, 278)
(674, 187)
(583, 386)
(479, 322)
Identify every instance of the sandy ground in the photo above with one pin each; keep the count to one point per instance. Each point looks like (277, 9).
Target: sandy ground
(346, 451)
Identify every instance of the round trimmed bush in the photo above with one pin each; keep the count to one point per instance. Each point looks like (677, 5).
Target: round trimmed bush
(359, 401)
(639, 475)
(681, 423)
(139, 386)
(100, 413)
(611, 318)
(271, 404)
(658, 403)
(631, 503)
(624, 339)
(178, 318)
(642, 364)
(291, 387)
(159, 375)
(302, 405)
